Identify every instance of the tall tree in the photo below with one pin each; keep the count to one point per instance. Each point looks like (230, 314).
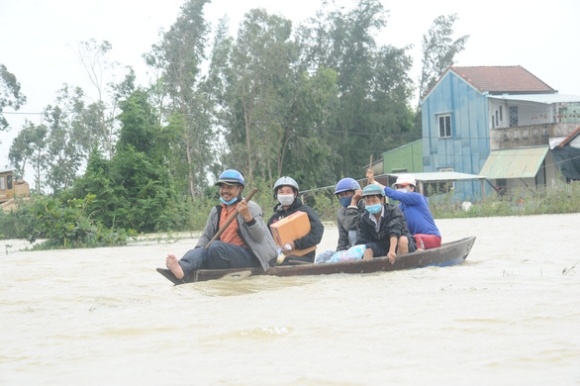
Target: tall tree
(273, 106)
(369, 78)
(260, 62)
(101, 72)
(180, 54)
(10, 94)
(63, 156)
(134, 189)
(29, 145)
(439, 50)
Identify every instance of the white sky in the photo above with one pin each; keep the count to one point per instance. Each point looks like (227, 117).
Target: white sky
(38, 37)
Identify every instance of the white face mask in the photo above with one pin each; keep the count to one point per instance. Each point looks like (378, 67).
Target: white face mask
(403, 190)
(286, 199)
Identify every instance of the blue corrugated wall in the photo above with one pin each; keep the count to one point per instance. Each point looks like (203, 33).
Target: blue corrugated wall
(469, 145)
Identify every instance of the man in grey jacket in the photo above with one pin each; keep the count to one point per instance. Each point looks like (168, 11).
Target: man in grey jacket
(246, 242)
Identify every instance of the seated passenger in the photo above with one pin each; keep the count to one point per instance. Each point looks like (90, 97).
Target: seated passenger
(348, 216)
(246, 242)
(416, 209)
(383, 230)
(286, 192)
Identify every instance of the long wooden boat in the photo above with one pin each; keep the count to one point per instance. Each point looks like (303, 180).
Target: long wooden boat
(451, 253)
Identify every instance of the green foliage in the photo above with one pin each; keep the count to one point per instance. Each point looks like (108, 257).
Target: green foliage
(10, 94)
(372, 114)
(439, 51)
(29, 145)
(179, 57)
(62, 225)
(18, 223)
(131, 192)
(139, 124)
(562, 198)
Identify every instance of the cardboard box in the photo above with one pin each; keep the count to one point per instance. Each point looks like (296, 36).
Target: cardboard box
(291, 228)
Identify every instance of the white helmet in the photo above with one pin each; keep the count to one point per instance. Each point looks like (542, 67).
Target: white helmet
(404, 180)
(285, 181)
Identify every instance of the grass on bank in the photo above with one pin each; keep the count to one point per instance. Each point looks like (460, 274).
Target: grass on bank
(520, 201)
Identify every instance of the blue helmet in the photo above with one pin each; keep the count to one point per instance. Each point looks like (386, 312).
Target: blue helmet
(373, 190)
(346, 184)
(231, 177)
(285, 181)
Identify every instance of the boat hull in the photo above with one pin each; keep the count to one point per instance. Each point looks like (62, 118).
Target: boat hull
(448, 254)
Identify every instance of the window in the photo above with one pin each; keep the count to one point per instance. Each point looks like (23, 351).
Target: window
(445, 126)
(2, 183)
(492, 122)
(501, 113)
(513, 116)
(496, 118)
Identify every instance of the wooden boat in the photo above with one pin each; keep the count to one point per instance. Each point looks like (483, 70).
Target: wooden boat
(447, 254)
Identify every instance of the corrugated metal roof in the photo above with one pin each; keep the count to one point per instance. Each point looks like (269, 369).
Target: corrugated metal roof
(547, 99)
(570, 138)
(514, 163)
(503, 79)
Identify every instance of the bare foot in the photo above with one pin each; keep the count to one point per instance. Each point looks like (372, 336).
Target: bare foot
(173, 265)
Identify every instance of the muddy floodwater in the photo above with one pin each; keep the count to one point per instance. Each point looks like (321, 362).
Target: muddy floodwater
(510, 315)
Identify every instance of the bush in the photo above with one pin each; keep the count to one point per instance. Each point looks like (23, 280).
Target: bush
(62, 225)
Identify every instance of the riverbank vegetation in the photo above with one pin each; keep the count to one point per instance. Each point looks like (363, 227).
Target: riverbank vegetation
(521, 201)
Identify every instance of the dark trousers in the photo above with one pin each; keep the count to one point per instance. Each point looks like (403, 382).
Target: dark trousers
(219, 255)
(381, 248)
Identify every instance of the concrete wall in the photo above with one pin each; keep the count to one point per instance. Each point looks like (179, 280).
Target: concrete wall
(532, 135)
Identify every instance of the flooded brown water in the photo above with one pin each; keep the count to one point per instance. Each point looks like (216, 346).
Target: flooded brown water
(510, 315)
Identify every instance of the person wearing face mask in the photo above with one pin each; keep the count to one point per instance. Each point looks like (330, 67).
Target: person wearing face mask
(245, 242)
(416, 209)
(286, 192)
(383, 229)
(349, 195)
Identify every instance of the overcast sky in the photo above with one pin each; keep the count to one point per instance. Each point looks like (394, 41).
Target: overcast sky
(38, 38)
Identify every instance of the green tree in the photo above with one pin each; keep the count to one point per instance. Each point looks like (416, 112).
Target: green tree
(29, 145)
(100, 111)
(180, 55)
(259, 67)
(272, 106)
(10, 94)
(139, 124)
(369, 79)
(63, 158)
(133, 190)
(439, 50)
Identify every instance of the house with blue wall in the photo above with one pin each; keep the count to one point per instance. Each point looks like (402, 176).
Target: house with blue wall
(475, 117)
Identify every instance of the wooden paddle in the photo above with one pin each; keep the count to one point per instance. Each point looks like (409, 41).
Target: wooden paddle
(231, 218)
